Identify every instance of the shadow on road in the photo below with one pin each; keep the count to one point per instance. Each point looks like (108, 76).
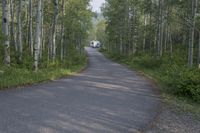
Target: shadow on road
(107, 97)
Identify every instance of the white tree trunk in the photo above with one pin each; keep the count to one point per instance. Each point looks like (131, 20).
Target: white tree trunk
(160, 27)
(30, 27)
(170, 42)
(42, 47)
(37, 35)
(54, 29)
(199, 52)
(191, 37)
(19, 32)
(62, 31)
(145, 32)
(5, 30)
(12, 26)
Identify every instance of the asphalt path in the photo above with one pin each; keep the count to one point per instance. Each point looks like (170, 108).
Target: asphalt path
(105, 98)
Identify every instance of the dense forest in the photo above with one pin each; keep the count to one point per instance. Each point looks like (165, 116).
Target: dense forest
(44, 39)
(160, 37)
(39, 36)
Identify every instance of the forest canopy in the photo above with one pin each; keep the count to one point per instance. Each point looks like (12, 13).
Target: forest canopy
(160, 37)
(42, 39)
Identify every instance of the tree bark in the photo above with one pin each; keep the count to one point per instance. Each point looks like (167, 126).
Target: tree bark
(62, 32)
(19, 32)
(191, 36)
(30, 27)
(199, 52)
(42, 46)
(160, 26)
(5, 30)
(54, 29)
(170, 42)
(145, 32)
(37, 35)
(12, 26)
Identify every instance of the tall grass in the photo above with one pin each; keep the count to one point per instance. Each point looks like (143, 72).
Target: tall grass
(22, 75)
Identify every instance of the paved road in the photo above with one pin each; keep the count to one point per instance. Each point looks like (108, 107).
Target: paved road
(105, 98)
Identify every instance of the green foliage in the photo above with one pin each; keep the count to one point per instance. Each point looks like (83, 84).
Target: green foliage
(72, 25)
(14, 76)
(100, 31)
(148, 62)
(178, 79)
(184, 81)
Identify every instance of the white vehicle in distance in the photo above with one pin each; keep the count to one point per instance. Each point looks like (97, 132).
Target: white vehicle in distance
(95, 44)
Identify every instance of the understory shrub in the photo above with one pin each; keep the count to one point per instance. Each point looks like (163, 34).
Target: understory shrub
(184, 81)
(179, 79)
(24, 74)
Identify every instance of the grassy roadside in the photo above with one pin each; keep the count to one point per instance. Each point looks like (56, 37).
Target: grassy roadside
(181, 103)
(13, 77)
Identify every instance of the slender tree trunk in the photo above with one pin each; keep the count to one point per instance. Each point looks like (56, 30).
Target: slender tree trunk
(150, 24)
(42, 46)
(134, 43)
(171, 43)
(145, 31)
(5, 30)
(26, 22)
(191, 36)
(30, 27)
(50, 45)
(19, 32)
(160, 34)
(166, 37)
(54, 29)
(158, 30)
(80, 43)
(37, 35)
(166, 29)
(12, 26)
(199, 52)
(121, 44)
(62, 31)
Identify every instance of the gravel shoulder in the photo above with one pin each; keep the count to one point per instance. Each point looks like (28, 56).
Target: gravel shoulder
(173, 120)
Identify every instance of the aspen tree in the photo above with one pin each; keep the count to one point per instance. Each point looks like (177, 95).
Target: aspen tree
(191, 33)
(5, 29)
(30, 27)
(37, 35)
(19, 32)
(54, 29)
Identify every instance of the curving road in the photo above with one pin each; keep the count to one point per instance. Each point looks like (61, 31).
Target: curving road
(105, 98)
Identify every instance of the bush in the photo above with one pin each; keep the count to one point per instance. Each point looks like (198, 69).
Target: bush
(149, 62)
(185, 82)
(179, 79)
